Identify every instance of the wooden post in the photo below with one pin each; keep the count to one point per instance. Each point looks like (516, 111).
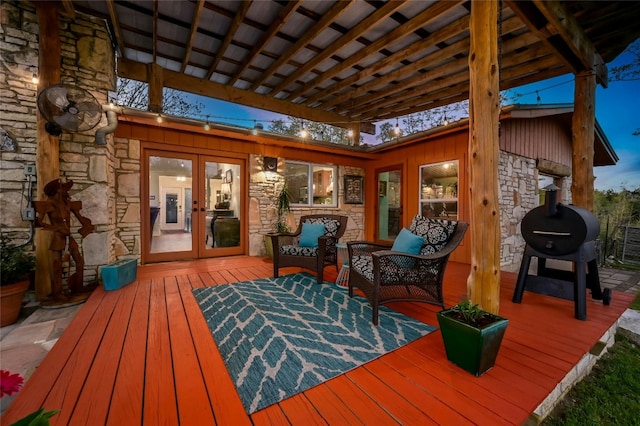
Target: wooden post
(583, 129)
(48, 147)
(154, 77)
(483, 284)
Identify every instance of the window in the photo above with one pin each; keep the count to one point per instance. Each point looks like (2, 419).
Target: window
(439, 190)
(311, 184)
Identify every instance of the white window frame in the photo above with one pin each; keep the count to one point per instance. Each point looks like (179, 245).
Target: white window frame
(310, 184)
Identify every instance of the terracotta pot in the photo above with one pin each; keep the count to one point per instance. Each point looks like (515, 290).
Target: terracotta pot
(11, 301)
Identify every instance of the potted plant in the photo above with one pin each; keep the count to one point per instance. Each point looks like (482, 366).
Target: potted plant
(471, 336)
(283, 207)
(16, 267)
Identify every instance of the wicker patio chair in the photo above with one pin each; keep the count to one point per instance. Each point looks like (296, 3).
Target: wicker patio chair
(389, 276)
(287, 250)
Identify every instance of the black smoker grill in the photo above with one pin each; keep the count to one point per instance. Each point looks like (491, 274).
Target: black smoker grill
(557, 231)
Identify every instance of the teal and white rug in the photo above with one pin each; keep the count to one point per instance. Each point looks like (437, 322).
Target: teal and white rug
(281, 336)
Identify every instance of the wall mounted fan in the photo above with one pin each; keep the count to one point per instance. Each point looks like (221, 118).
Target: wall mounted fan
(68, 108)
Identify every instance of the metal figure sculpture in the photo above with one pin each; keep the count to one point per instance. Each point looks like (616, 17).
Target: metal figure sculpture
(54, 214)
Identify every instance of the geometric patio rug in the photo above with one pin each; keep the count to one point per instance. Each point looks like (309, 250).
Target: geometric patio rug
(281, 336)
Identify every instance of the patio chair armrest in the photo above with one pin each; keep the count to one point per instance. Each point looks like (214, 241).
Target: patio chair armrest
(362, 248)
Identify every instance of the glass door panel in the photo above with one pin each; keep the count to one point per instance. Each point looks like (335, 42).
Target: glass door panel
(389, 205)
(170, 197)
(223, 195)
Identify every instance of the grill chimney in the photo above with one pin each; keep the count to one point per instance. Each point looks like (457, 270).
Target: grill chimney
(551, 200)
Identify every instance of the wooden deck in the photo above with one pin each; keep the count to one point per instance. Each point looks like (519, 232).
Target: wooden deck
(144, 355)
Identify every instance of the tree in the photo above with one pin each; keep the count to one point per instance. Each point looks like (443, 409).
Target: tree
(615, 210)
(135, 94)
(317, 131)
(424, 120)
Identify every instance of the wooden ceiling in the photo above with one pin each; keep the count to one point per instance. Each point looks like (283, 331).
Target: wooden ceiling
(349, 61)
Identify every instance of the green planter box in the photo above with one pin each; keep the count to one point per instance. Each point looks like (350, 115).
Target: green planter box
(470, 348)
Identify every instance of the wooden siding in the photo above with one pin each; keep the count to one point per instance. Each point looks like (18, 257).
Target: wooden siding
(233, 143)
(547, 138)
(144, 355)
(446, 147)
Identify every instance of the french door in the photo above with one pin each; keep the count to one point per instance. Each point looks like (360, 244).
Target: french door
(194, 204)
(389, 205)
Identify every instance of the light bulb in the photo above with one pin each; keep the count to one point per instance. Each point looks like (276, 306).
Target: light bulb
(35, 78)
(159, 118)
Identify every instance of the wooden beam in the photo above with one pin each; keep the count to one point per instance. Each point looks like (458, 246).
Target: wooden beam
(156, 84)
(48, 147)
(113, 15)
(326, 20)
(138, 71)
(420, 20)
(268, 35)
(582, 127)
(363, 26)
(155, 32)
(235, 24)
(561, 32)
(483, 284)
(192, 34)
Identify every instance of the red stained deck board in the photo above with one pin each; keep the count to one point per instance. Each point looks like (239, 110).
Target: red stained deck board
(160, 406)
(365, 408)
(151, 344)
(128, 390)
(191, 394)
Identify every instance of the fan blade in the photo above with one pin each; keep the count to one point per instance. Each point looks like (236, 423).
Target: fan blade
(88, 120)
(57, 95)
(67, 121)
(89, 106)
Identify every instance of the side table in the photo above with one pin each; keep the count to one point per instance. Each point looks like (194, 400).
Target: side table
(343, 257)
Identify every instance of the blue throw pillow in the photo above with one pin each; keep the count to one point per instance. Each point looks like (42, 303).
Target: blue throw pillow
(310, 234)
(407, 242)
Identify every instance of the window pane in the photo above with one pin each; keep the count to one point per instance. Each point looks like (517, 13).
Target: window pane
(439, 190)
(323, 185)
(296, 176)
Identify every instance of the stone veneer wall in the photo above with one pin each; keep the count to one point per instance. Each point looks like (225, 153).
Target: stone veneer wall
(518, 182)
(263, 190)
(87, 61)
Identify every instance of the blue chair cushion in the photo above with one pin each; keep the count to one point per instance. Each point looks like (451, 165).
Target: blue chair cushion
(407, 242)
(310, 234)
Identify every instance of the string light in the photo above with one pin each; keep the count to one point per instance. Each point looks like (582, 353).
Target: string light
(207, 126)
(303, 132)
(397, 128)
(446, 122)
(159, 118)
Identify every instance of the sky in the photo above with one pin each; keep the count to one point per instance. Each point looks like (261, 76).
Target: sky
(617, 112)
